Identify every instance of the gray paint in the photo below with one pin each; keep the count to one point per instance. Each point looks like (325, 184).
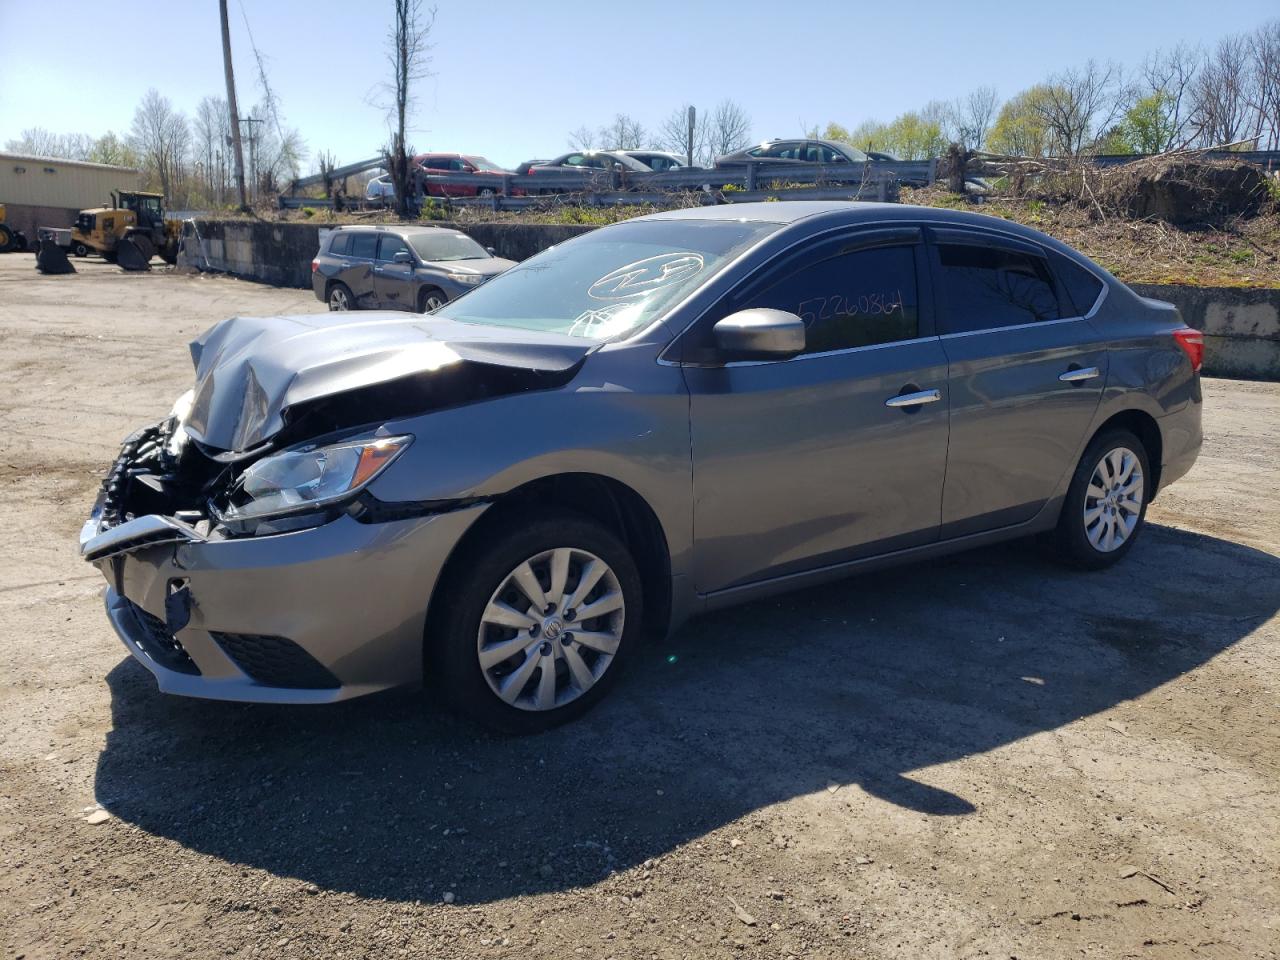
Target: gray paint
(763, 476)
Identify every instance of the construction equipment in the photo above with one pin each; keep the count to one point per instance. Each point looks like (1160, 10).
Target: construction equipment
(134, 215)
(11, 239)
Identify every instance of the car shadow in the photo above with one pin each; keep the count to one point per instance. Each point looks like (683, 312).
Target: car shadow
(861, 682)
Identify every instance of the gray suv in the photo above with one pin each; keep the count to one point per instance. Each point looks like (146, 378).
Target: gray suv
(399, 268)
(655, 419)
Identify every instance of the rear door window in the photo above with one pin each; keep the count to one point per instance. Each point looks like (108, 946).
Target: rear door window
(1080, 287)
(985, 287)
(364, 245)
(340, 244)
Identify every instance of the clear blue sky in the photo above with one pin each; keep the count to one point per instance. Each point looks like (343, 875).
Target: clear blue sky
(513, 77)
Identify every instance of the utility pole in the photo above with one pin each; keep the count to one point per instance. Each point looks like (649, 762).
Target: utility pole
(693, 118)
(253, 153)
(231, 104)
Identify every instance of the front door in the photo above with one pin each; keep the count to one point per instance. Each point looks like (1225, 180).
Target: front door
(393, 282)
(815, 460)
(1024, 383)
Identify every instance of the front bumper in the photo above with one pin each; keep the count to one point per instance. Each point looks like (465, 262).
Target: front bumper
(313, 616)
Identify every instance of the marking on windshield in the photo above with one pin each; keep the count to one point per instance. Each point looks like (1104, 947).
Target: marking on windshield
(644, 276)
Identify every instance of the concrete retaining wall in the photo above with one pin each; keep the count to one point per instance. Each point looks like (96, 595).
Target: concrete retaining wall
(1241, 326)
(281, 253)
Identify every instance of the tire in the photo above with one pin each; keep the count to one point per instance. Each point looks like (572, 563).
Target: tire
(1094, 532)
(485, 192)
(6, 239)
(79, 250)
(339, 298)
(484, 574)
(429, 298)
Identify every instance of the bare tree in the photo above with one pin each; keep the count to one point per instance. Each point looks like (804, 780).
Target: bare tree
(584, 138)
(973, 116)
(409, 53)
(625, 133)
(674, 134)
(1264, 52)
(1081, 103)
(1223, 93)
(162, 138)
(211, 130)
(39, 142)
(1170, 76)
(728, 129)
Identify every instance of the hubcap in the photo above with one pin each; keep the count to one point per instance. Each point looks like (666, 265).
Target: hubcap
(337, 300)
(531, 655)
(1113, 500)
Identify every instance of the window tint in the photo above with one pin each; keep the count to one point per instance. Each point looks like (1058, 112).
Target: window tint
(436, 163)
(851, 300)
(364, 245)
(1081, 286)
(989, 287)
(340, 244)
(388, 247)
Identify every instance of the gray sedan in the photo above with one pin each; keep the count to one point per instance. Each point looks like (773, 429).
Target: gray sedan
(659, 418)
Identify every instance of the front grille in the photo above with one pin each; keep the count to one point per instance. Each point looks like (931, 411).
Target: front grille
(153, 637)
(276, 661)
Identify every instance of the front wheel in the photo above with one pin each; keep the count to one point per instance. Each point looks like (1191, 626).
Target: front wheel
(79, 250)
(430, 299)
(1106, 503)
(339, 297)
(535, 621)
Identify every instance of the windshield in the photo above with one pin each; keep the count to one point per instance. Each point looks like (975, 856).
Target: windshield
(447, 246)
(609, 282)
(480, 163)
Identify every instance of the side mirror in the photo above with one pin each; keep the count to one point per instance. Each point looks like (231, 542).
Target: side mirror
(403, 256)
(760, 334)
(491, 251)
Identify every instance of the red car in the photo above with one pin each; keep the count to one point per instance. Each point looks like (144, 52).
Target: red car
(445, 164)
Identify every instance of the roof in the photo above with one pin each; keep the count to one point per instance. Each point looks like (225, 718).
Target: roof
(407, 229)
(63, 161)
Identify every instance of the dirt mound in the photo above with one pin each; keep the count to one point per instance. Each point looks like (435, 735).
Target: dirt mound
(1183, 190)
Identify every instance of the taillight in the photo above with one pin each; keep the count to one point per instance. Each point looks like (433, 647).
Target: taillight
(1192, 344)
(315, 265)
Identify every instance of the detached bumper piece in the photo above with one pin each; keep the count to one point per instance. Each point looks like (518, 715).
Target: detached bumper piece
(154, 639)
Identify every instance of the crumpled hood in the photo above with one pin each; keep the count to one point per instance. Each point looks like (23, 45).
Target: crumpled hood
(251, 370)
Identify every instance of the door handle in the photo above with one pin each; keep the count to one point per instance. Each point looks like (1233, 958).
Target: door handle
(1079, 375)
(914, 399)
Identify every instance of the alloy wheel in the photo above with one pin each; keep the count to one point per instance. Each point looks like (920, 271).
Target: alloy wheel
(1113, 500)
(551, 629)
(338, 299)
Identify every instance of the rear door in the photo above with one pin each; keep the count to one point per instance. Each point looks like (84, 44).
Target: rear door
(1026, 372)
(393, 282)
(815, 460)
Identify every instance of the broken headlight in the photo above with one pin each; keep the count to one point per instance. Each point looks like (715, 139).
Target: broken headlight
(308, 478)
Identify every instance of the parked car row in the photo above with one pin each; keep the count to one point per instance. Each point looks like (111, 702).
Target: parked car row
(770, 153)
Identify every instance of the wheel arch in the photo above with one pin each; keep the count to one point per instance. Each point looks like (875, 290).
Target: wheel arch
(1147, 429)
(611, 503)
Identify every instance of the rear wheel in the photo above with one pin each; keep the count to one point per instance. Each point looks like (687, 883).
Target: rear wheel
(79, 249)
(1106, 504)
(485, 192)
(429, 298)
(535, 621)
(6, 239)
(340, 298)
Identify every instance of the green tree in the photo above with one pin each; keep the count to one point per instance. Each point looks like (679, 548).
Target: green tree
(1020, 130)
(1150, 123)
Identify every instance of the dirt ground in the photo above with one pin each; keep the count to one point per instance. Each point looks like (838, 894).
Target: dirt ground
(984, 757)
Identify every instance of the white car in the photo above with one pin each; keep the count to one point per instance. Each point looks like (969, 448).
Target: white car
(379, 188)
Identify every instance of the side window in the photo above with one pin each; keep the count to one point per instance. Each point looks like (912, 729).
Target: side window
(575, 160)
(1080, 286)
(853, 299)
(364, 245)
(988, 287)
(833, 156)
(389, 246)
(436, 163)
(457, 165)
(757, 152)
(340, 244)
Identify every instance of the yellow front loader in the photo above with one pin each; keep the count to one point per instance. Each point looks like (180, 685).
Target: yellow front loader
(138, 217)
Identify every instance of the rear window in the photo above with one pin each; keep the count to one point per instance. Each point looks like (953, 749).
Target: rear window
(340, 244)
(988, 287)
(1081, 286)
(364, 245)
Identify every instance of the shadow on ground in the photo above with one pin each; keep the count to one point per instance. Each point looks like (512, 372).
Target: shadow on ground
(860, 682)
